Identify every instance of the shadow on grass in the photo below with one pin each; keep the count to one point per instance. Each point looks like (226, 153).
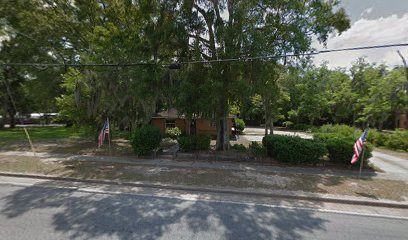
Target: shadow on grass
(89, 215)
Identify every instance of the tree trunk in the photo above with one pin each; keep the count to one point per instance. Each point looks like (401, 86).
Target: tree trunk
(222, 127)
(396, 120)
(271, 125)
(12, 120)
(266, 128)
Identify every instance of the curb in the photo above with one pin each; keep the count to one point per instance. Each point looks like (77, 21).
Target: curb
(349, 201)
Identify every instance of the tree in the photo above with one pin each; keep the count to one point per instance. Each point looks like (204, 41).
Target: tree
(256, 28)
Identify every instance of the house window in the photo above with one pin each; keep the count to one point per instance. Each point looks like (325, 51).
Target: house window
(170, 124)
(213, 123)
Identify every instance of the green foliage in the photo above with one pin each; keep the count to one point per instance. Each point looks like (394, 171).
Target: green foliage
(302, 127)
(377, 138)
(294, 150)
(340, 129)
(73, 104)
(340, 146)
(398, 140)
(202, 141)
(288, 124)
(41, 133)
(240, 125)
(173, 133)
(145, 139)
(257, 150)
(194, 142)
(239, 148)
(186, 143)
(167, 142)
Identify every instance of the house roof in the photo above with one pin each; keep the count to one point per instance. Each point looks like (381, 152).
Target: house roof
(172, 113)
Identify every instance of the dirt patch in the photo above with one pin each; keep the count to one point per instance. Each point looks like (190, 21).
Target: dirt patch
(372, 188)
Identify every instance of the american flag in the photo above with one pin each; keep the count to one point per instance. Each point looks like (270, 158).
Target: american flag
(103, 133)
(358, 147)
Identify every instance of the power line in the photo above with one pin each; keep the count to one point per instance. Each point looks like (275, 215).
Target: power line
(177, 65)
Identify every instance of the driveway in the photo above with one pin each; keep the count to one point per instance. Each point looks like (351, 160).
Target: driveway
(393, 166)
(256, 134)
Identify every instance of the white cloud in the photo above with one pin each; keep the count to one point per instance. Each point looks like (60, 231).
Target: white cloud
(364, 32)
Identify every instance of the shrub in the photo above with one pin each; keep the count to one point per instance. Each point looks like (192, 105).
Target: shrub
(173, 133)
(302, 127)
(195, 142)
(186, 143)
(340, 147)
(240, 125)
(377, 138)
(202, 141)
(341, 129)
(145, 139)
(294, 150)
(288, 124)
(257, 150)
(398, 140)
(239, 148)
(167, 142)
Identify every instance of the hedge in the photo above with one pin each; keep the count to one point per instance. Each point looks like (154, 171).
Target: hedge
(145, 139)
(340, 147)
(340, 129)
(194, 142)
(294, 150)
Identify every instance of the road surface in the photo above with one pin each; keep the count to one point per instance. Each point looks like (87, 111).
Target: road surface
(41, 211)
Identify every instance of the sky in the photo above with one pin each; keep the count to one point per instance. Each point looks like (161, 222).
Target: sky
(373, 22)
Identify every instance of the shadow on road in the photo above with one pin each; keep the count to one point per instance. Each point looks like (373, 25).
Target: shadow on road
(91, 215)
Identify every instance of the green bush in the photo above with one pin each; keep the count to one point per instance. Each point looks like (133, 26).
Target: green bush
(202, 141)
(288, 124)
(398, 140)
(340, 147)
(239, 148)
(378, 138)
(195, 142)
(186, 143)
(145, 139)
(257, 150)
(173, 133)
(341, 129)
(302, 127)
(240, 124)
(294, 150)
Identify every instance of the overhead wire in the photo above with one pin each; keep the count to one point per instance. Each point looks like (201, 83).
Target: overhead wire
(177, 64)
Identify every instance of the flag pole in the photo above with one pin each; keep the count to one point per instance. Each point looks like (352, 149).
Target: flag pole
(109, 137)
(361, 161)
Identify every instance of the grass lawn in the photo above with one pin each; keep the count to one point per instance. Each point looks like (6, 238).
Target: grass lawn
(42, 133)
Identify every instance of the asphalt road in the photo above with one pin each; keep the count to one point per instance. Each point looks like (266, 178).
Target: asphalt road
(37, 211)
